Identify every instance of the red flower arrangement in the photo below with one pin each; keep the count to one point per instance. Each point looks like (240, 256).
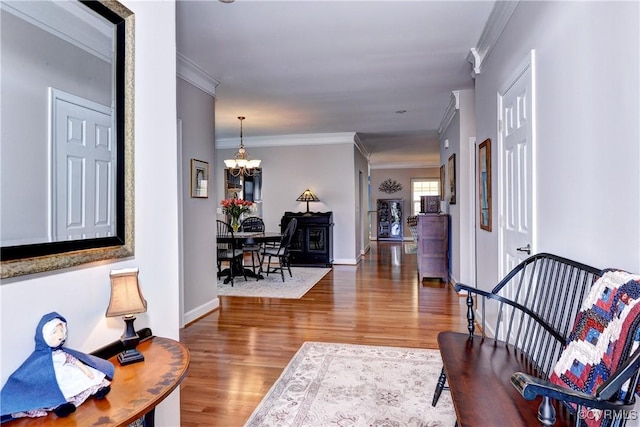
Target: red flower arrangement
(234, 208)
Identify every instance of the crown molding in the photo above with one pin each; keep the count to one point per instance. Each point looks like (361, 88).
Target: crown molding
(498, 19)
(190, 72)
(361, 147)
(404, 165)
(89, 31)
(450, 112)
(289, 140)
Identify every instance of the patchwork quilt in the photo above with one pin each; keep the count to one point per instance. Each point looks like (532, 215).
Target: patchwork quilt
(596, 344)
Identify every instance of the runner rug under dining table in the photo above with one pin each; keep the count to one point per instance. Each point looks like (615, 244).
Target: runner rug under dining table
(272, 286)
(328, 384)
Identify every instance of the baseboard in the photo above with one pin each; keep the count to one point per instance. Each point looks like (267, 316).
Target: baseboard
(345, 261)
(198, 312)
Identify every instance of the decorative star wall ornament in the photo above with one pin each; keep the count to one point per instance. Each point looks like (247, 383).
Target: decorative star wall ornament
(390, 186)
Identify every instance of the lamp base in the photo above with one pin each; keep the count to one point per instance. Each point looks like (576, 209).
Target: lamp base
(130, 356)
(130, 340)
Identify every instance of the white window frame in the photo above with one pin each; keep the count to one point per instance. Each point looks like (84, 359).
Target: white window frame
(433, 183)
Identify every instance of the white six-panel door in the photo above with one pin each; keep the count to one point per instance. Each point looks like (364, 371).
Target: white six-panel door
(83, 175)
(516, 164)
(516, 169)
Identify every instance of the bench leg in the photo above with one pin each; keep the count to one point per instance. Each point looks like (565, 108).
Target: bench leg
(470, 315)
(439, 387)
(546, 412)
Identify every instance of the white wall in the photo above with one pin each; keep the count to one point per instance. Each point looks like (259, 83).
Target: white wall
(587, 129)
(196, 109)
(81, 294)
(327, 169)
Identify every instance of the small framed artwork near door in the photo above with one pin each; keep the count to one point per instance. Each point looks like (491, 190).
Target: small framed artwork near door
(484, 183)
(452, 179)
(199, 178)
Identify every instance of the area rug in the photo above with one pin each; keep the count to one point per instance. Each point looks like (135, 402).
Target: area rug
(304, 278)
(327, 384)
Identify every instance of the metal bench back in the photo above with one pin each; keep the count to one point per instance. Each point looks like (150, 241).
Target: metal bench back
(537, 303)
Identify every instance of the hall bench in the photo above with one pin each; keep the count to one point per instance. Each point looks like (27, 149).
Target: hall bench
(498, 381)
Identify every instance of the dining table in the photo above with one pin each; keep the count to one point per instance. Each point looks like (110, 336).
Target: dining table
(239, 239)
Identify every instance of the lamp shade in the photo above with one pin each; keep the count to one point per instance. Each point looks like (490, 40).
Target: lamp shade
(126, 298)
(307, 196)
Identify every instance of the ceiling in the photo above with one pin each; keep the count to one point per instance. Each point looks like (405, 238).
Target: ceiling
(382, 69)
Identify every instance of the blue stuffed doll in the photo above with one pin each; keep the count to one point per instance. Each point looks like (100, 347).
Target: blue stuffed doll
(54, 378)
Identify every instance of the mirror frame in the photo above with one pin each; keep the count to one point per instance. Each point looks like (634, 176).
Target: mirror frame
(36, 258)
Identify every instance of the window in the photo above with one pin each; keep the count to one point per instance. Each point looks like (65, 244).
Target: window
(423, 187)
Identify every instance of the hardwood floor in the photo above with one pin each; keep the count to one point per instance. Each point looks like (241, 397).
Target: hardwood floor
(240, 350)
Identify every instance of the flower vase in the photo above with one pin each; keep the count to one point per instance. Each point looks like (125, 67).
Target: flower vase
(235, 223)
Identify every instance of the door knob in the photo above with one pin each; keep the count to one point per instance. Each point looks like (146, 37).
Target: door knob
(526, 249)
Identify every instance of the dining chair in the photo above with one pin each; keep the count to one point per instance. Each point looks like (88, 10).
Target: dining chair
(227, 251)
(281, 252)
(256, 224)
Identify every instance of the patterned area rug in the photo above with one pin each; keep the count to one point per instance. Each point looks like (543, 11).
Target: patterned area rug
(273, 287)
(345, 385)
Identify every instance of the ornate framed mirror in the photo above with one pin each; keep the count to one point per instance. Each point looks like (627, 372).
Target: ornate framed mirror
(66, 172)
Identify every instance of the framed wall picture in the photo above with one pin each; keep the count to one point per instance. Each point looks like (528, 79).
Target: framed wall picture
(199, 178)
(484, 183)
(442, 178)
(452, 179)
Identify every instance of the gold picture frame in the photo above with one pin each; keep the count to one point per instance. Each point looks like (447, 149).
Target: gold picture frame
(199, 179)
(484, 184)
(442, 178)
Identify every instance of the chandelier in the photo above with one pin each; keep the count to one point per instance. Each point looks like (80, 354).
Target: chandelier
(241, 165)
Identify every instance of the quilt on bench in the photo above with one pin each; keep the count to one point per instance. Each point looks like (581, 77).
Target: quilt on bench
(596, 344)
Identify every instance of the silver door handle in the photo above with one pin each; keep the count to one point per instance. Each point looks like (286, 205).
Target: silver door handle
(526, 249)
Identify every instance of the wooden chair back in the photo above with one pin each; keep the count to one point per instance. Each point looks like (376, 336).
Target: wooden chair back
(535, 305)
(252, 223)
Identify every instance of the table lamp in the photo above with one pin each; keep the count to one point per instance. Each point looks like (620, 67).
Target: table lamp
(307, 196)
(126, 301)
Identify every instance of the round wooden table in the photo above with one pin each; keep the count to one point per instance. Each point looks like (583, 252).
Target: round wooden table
(241, 238)
(136, 389)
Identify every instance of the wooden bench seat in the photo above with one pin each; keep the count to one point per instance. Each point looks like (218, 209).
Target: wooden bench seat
(482, 369)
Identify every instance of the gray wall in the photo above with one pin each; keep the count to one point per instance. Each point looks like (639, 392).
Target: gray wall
(196, 109)
(586, 176)
(327, 169)
(462, 213)
(361, 202)
(587, 150)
